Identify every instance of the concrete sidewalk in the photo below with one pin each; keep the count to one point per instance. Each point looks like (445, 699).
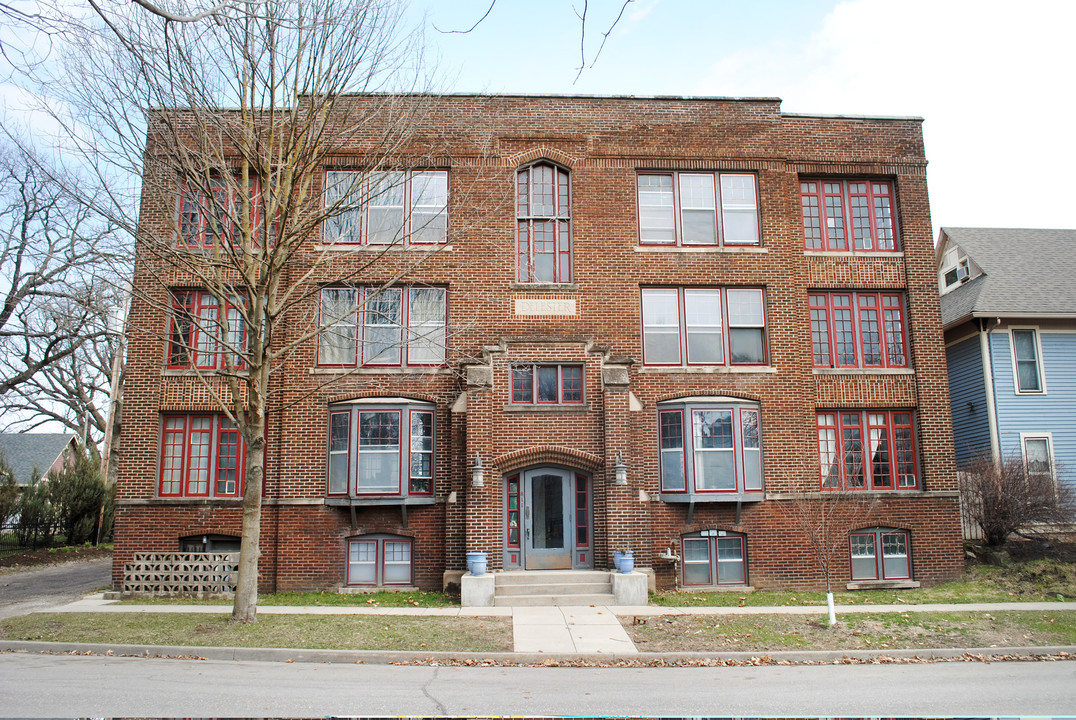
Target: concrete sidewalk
(588, 630)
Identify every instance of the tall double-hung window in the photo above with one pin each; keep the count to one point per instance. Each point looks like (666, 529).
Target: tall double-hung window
(394, 326)
(386, 208)
(846, 215)
(698, 209)
(212, 213)
(544, 224)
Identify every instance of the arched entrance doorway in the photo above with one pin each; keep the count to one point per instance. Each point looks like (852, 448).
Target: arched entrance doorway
(548, 519)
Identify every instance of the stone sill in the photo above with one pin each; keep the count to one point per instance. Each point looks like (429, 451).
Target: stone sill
(387, 247)
(863, 371)
(550, 408)
(714, 370)
(379, 501)
(883, 585)
(392, 370)
(367, 589)
(544, 286)
(715, 497)
(733, 249)
(854, 253)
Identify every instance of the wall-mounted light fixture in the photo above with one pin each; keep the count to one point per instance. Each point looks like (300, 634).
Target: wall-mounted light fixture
(621, 470)
(478, 472)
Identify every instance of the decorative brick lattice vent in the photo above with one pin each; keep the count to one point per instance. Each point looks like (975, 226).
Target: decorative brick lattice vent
(181, 573)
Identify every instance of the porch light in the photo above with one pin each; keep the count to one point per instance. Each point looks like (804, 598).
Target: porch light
(621, 469)
(478, 472)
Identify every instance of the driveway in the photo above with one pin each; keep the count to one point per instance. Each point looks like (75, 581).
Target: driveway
(38, 589)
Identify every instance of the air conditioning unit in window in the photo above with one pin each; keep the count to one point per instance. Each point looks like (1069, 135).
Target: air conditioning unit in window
(962, 273)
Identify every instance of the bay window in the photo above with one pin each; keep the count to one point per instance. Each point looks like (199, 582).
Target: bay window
(381, 448)
(709, 447)
(867, 450)
(703, 326)
(843, 215)
(202, 455)
(698, 209)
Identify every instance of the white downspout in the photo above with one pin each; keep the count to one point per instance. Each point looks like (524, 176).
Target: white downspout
(988, 377)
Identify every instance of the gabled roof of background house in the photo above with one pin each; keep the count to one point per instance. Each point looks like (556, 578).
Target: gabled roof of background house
(25, 451)
(1025, 273)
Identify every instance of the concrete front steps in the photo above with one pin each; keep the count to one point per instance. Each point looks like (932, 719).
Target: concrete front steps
(544, 588)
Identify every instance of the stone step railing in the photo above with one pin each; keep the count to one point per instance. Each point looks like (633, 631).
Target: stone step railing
(181, 573)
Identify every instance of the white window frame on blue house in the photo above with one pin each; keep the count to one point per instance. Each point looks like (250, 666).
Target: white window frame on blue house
(1049, 438)
(1038, 360)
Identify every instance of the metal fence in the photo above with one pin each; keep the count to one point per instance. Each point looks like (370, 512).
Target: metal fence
(16, 539)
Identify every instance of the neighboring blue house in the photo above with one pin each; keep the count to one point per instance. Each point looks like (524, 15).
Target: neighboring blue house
(1008, 309)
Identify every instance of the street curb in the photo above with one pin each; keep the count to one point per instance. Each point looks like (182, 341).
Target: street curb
(383, 657)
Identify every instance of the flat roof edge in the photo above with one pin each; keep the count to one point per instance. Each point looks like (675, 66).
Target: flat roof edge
(825, 116)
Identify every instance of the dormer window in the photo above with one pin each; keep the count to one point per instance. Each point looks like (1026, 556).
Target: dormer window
(955, 269)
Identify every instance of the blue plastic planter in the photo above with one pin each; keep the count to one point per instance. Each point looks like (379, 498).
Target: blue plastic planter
(618, 557)
(627, 563)
(476, 563)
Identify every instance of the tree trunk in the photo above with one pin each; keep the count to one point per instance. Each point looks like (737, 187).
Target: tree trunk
(245, 607)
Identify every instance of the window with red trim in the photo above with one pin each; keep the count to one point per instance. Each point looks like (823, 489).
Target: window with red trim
(394, 326)
(867, 450)
(544, 224)
(208, 216)
(201, 456)
(682, 208)
(381, 449)
(843, 215)
(858, 330)
(547, 384)
(880, 554)
(714, 557)
(709, 446)
(703, 326)
(380, 560)
(205, 333)
(386, 208)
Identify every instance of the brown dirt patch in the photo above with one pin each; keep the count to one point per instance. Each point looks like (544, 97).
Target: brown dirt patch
(53, 556)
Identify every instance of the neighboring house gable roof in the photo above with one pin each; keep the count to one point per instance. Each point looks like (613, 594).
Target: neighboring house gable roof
(1024, 273)
(25, 451)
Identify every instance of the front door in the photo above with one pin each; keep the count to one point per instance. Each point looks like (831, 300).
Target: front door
(547, 519)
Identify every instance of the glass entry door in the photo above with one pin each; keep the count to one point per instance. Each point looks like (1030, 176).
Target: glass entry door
(548, 520)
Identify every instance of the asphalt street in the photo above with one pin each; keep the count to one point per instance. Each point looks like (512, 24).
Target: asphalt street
(27, 591)
(55, 685)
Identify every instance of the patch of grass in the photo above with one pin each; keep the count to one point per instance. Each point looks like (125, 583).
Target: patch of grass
(881, 631)
(1035, 581)
(415, 598)
(337, 632)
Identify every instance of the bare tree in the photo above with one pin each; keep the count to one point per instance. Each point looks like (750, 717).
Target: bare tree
(56, 260)
(824, 519)
(1005, 497)
(230, 119)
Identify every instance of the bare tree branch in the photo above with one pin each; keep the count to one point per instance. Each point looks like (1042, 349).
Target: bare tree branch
(470, 29)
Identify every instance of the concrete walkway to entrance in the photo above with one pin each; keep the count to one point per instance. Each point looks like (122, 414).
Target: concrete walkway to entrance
(593, 629)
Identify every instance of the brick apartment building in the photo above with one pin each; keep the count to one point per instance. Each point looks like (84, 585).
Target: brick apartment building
(732, 308)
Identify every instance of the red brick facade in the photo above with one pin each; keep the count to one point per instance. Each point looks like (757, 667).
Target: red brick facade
(495, 322)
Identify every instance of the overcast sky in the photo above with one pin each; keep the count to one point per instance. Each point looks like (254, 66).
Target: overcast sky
(993, 80)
